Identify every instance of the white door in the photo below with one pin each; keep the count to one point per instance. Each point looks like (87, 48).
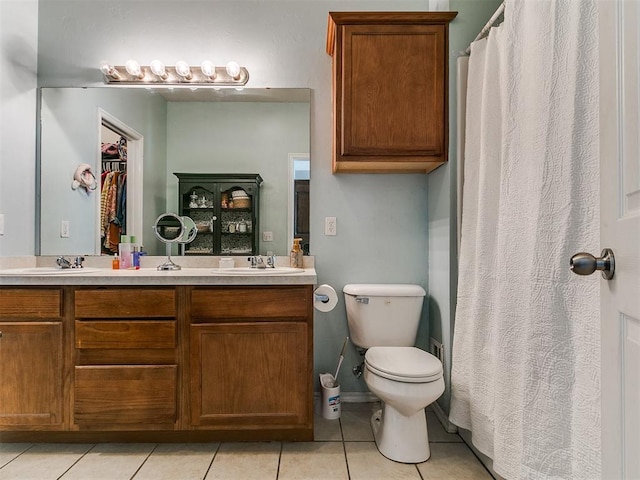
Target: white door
(620, 231)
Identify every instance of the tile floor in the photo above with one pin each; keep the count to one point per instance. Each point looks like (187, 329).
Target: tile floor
(343, 449)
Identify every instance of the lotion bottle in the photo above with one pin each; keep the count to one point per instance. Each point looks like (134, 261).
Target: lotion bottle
(295, 256)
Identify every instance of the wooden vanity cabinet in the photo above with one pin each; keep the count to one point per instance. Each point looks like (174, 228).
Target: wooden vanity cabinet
(126, 359)
(251, 361)
(389, 90)
(31, 359)
(140, 363)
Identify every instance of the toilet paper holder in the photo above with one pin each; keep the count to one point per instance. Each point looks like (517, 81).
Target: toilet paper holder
(321, 298)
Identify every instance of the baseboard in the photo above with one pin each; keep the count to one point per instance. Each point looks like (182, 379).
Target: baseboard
(443, 418)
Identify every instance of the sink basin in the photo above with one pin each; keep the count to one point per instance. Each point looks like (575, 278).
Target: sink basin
(257, 271)
(48, 271)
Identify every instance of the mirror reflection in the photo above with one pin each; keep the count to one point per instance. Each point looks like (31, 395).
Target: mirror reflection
(206, 131)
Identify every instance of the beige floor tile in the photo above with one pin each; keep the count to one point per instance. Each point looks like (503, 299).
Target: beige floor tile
(356, 421)
(437, 433)
(182, 461)
(246, 461)
(9, 451)
(367, 463)
(326, 430)
(452, 460)
(44, 461)
(110, 461)
(313, 461)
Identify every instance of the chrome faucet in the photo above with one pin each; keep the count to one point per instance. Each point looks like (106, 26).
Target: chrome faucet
(256, 261)
(271, 260)
(63, 262)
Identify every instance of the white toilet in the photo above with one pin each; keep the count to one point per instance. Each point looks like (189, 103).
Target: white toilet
(383, 319)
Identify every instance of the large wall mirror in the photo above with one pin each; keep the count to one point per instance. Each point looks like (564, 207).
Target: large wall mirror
(265, 131)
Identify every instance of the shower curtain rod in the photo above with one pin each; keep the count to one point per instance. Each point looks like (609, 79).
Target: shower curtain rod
(488, 25)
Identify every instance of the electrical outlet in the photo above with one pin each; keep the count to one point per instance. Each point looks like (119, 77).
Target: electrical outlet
(1, 223)
(330, 227)
(64, 229)
(437, 349)
(267, 236)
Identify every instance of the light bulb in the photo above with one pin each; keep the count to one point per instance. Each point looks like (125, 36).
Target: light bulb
(233, 69)
(183, 69)
(133, 69)
(109, 70)
(157, 68)
(208, 69)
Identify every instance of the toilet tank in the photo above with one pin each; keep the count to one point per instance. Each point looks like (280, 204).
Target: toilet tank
(383, 315)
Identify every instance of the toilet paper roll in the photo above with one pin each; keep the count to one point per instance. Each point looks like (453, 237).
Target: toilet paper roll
(325, 298)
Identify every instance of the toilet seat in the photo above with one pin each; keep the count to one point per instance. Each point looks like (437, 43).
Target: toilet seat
(403, 364)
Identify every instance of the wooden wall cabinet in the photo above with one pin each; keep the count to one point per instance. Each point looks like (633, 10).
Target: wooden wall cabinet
(389, 90)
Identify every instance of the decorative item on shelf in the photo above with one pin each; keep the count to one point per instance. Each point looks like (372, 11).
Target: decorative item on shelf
(202, 203)
(194, 200)
(182, 74)
(240, 199)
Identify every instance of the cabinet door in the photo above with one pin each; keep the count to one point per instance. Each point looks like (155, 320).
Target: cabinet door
(252, 375)
(393, 90)
(31, 374)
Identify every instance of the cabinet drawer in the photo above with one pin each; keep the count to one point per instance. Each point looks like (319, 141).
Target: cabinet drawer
(250, 302)
(130, 395)
(125, 303)
(125, 334)
(30, 304)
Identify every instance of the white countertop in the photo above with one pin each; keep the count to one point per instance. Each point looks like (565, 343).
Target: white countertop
(97, 273)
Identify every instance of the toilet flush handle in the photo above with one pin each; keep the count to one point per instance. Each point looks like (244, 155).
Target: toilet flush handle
(364, 300)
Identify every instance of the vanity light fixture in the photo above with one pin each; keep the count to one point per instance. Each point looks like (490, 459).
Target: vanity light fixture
(182, 74)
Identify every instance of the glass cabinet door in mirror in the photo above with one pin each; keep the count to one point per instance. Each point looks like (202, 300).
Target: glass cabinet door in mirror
(206, 131)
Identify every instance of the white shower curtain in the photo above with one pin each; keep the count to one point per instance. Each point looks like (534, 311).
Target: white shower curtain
(526, 365)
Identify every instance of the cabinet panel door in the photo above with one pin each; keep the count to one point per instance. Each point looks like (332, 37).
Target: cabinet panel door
(255, 374)
(31, 374)
(115, 394)
(393, 90)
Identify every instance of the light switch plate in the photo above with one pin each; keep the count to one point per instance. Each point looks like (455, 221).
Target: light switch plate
(64, 229)
(267, 236)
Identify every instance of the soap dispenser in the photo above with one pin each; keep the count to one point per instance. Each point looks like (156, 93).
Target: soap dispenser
(295, 257)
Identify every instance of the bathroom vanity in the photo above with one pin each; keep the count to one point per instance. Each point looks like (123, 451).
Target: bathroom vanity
(156, 356)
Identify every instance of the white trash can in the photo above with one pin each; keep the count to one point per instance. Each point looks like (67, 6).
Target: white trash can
(330, 397)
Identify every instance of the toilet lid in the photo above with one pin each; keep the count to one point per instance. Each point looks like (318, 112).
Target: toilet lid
(403, 364)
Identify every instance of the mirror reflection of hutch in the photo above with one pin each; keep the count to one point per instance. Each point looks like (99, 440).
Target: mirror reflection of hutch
(226, 210)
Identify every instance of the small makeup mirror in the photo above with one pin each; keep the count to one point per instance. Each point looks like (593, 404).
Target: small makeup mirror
(171, 228)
